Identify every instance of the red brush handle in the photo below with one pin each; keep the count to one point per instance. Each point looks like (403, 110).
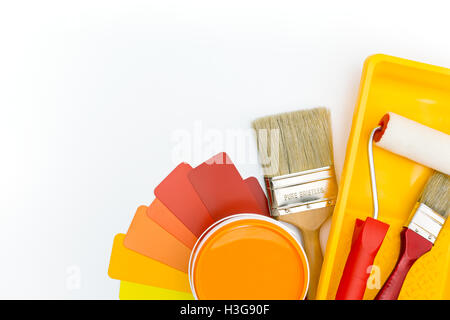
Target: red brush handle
(367, 239)
(413, 246)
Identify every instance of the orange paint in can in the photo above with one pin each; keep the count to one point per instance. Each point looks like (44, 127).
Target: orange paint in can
(248, 257)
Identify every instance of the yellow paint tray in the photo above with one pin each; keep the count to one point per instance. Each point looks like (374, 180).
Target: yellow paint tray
(417, 91)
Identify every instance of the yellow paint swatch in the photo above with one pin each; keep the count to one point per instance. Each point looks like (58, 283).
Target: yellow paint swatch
(130, 266)
(136, 291)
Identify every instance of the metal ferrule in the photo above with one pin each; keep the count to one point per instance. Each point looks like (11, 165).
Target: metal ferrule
(302, 191)
(426, 222)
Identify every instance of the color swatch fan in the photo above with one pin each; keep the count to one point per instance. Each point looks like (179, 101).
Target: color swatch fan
(151, 260)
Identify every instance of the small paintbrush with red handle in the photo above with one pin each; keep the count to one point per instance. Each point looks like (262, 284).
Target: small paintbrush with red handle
(425, 223)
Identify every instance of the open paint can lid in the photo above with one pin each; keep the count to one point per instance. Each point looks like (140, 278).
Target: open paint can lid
(248, 257)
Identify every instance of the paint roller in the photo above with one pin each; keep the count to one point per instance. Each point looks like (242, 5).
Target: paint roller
(414, 141)
(411, 140)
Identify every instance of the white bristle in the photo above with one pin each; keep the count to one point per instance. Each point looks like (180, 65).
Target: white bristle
(436, 194)
(303, 141)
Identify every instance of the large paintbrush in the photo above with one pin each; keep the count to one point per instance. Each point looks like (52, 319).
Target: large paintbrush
(296, 154)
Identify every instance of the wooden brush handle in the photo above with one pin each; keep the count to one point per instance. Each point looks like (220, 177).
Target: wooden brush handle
(413, 246)
(314, 253)
(309, 223)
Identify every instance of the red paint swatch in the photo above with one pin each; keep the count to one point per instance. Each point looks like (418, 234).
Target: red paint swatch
(221, 188)
(259, 195)
(178, 195)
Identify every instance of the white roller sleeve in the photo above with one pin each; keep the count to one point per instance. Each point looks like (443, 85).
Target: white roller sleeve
(416, 142)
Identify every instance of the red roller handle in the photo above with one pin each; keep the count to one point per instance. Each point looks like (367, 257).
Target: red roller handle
(413, 246)
(367, 239)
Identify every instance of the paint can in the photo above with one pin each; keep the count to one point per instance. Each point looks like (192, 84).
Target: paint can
(248, 257)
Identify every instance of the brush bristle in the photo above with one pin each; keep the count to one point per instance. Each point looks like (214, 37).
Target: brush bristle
(303, 143)
(436, 194)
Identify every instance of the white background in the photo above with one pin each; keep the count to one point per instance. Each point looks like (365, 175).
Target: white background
(91, 93)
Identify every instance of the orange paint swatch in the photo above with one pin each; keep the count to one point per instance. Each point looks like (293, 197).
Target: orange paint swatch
(131, 266)
(146, 237)
(159, 213)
